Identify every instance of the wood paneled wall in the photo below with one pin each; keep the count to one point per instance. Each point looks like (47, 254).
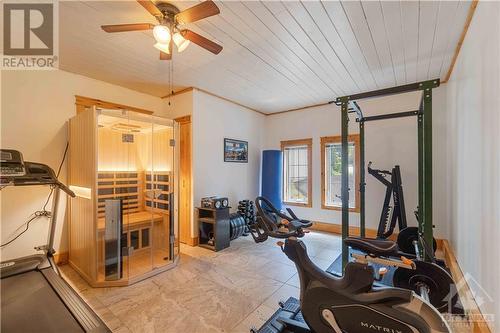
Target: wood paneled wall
(82, 166)
(154, 150)
(114, 154)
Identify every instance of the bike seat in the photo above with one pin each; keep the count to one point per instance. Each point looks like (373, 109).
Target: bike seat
(302, 223)
(377, 247)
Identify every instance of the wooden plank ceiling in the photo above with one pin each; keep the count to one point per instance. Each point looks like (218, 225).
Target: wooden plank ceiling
(277, 55)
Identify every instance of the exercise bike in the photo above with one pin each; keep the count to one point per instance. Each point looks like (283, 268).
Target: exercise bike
(400, 264)
(347, 304)
(425, 278)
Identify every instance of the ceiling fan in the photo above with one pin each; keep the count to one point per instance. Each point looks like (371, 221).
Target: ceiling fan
(168, 31)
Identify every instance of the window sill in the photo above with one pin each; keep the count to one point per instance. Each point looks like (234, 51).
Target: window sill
(352, 210)
(298, 204)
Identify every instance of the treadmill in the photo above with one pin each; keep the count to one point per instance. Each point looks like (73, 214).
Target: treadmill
(34, 297)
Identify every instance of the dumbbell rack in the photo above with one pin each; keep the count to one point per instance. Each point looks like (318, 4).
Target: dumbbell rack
(246, 209)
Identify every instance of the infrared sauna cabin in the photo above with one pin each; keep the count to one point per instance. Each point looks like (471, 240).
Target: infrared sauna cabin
(122, 225)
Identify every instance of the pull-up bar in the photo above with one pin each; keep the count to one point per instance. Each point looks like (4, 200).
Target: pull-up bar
(388, 116)
(348, 104)
(392, 91)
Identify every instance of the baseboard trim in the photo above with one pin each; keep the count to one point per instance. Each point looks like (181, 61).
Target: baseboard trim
(472, 310)
(353, 231)
(61, 258)
(193, 241)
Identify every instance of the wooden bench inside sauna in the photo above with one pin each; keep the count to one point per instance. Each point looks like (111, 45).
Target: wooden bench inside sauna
(145, 206)
(130, 193)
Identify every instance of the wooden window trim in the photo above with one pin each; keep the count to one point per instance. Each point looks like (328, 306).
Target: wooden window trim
(338, 139)
(300, 142)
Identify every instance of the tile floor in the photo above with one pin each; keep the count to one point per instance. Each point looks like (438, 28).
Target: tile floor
(227, 291)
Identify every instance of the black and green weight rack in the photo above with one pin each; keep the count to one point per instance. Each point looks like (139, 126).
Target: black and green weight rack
(348, 104)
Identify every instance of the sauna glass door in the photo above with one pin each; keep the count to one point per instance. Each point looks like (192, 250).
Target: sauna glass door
(135, 190)
(119, 191)
(159, 199)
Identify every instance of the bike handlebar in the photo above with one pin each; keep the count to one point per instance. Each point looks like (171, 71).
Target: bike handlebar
(279, 226)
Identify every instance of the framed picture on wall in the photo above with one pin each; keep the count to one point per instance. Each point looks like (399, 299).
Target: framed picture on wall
(235, 151)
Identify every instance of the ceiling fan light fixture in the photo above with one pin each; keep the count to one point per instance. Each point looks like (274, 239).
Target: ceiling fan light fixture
(163, 47)
(167, 31)
(162, 34)
(180, 41)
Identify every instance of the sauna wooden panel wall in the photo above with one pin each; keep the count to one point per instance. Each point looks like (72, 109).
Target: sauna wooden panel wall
(161, 182)
(116, 155)
(155, 151)
(127, 185)
(82, 166)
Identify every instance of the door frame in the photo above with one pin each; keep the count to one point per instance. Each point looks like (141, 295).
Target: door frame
(185, 181)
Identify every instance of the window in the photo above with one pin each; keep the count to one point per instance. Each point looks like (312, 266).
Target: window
(297, 176)
(331, 172)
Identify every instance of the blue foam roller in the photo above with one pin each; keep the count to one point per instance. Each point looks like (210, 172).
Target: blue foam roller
(272, 176)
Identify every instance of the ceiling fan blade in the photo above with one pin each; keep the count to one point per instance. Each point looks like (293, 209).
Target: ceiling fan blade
(127, 27)
(198, 12)
(150, 7)
(201, 41)
(167, 56)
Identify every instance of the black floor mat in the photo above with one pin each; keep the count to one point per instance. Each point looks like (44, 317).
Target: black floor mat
(29, 304)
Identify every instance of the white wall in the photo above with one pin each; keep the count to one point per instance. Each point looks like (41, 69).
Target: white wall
(387, 143)
(473, 165)
(213, 120)
(35, 108)
(178, 105)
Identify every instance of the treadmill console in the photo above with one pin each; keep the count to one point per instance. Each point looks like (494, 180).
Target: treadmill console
(11, 163)
(16, 172)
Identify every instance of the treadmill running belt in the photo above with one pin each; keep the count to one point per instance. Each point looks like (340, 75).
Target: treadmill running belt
(30, 305)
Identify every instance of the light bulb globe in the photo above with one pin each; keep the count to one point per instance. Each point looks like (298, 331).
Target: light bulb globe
(162, 34)
(162, 47)
(180, 41)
